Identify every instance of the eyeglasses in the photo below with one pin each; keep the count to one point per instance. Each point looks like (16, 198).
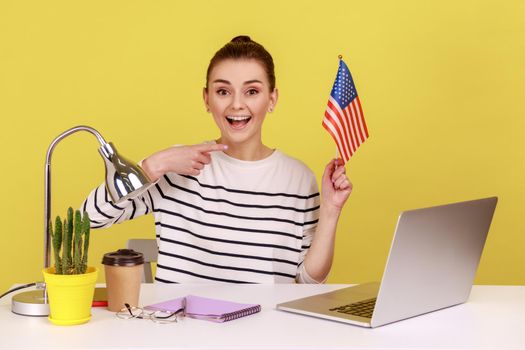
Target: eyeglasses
(130, 312)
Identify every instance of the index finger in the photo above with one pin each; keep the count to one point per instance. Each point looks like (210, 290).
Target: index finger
(211, 147)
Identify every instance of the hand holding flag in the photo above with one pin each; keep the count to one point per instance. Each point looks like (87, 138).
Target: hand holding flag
(336, 187)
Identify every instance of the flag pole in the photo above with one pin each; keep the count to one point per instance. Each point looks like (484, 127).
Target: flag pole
(336, 156)
(336, 151)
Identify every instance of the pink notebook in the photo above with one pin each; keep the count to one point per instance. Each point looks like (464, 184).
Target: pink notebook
(207, 309)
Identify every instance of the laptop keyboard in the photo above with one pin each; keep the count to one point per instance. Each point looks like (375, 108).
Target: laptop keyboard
(361, 308)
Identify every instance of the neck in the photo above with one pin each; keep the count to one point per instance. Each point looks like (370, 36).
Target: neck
(249, 151)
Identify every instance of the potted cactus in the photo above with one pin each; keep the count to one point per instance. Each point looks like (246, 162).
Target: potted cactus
(70, 282)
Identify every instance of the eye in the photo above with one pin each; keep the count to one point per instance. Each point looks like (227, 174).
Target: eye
(222, 92)
(252, 92)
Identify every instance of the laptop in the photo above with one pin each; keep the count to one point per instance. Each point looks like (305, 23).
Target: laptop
(431, 265)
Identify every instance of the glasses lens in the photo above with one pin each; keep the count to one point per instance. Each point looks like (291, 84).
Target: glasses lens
(127, 313)
(164, 317)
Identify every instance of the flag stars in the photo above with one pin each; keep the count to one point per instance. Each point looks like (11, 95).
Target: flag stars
(344, 90)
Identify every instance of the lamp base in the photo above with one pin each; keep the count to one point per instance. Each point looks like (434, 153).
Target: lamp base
(30, 303)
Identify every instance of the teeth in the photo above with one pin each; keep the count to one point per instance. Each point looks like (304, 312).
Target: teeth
(238, 118)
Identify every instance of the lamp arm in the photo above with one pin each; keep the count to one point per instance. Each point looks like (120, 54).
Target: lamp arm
(47, 185)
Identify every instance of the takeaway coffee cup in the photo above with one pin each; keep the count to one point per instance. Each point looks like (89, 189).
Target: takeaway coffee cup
(123, 270)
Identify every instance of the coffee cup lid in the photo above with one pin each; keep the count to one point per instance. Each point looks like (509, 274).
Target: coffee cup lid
(123, 257)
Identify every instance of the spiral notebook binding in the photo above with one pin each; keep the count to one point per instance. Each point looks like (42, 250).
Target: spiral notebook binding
(241, 313)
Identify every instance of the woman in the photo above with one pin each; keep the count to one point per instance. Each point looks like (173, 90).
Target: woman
(235, 210)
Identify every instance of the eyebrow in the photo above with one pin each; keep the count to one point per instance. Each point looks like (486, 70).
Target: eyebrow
(229, 83)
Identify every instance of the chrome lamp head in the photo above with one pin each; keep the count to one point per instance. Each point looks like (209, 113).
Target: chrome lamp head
(124, 180)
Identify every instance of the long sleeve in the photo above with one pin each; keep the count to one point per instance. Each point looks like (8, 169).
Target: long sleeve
(104, 213)
(311, 218)
(302, 275)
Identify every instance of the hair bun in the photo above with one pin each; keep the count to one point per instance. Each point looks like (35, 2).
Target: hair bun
(242, 47)
(241, 39)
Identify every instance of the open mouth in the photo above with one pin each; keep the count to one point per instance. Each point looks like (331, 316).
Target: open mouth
(238, 121)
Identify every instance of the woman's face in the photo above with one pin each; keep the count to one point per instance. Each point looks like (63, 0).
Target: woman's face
(238, 97)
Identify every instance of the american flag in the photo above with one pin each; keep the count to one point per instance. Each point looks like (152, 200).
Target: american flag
(343, 117)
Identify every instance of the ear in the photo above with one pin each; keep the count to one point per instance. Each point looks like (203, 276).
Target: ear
(205, 98)
(274, 96)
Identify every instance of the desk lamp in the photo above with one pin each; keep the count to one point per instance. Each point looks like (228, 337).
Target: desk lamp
(124, 179)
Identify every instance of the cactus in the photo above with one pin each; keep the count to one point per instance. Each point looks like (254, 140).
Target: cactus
(68, 238)
(77, 244)
(66, 247)
(85, 228)
(57, 243)
(69, 241)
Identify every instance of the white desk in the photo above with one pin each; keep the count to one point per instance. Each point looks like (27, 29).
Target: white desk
(493, 318)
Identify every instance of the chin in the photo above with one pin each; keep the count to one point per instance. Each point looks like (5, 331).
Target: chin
(235, 140)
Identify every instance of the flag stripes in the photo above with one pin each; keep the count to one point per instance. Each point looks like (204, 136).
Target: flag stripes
(343, 118)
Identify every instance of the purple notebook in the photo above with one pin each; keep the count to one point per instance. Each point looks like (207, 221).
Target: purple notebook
(207, 309)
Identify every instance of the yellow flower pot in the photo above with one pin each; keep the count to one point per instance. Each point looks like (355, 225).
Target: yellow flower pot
(70, 296)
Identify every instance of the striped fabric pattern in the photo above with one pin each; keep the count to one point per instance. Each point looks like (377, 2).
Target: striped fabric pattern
(237, 222)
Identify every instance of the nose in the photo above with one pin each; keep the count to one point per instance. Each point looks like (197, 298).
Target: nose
(237, 102)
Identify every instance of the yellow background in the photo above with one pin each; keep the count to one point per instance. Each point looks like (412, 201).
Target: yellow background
(441, 83)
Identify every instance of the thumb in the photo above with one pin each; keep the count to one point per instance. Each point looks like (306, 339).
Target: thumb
(329, 170)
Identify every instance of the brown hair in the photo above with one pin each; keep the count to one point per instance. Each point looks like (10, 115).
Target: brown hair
(243, 47)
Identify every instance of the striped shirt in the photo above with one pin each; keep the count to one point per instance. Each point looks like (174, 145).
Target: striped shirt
(236, 222)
